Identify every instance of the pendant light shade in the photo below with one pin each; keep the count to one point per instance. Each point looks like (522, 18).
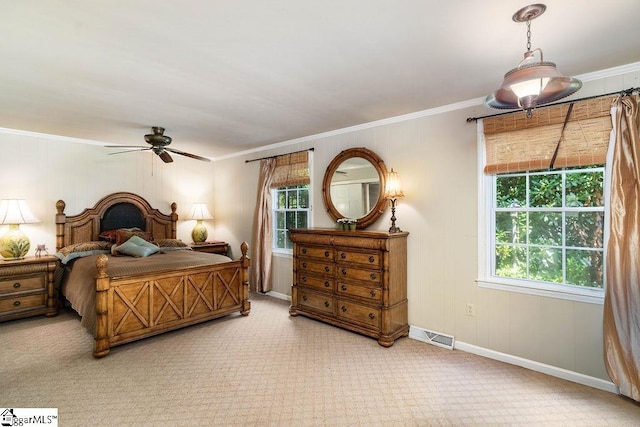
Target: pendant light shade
(533, 82)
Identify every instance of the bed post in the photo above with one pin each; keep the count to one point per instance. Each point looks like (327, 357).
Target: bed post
(102, 345)
(246, 304)
(61, 219)
(174, 220)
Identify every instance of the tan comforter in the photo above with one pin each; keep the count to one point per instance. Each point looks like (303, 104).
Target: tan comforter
(78, 283)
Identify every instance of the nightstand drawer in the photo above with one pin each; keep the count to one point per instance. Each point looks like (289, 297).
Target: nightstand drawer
(22, 302)
(22, 284)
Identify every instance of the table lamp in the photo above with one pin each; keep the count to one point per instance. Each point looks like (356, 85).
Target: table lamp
(199, 212)
(14, 244)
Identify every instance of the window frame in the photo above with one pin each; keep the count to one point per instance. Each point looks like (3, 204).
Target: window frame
(274, 211)
(486, 256)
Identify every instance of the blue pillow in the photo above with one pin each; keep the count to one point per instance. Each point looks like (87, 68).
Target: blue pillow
(137, 247)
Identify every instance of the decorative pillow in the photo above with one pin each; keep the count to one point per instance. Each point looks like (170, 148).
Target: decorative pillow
(78, 250)
(172, 244)
(136, 247)
(109, 236)
(124, 234)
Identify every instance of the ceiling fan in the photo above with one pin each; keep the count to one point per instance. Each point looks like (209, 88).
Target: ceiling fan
(159, 142)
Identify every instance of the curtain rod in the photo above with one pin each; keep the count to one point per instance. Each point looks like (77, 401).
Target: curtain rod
(278, 155)
(626, 92)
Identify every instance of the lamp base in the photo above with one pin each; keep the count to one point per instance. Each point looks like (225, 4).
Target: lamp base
(199, 233)
(14, 244)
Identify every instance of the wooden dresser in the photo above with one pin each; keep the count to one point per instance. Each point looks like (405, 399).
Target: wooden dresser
(26, 287)
(356, 280)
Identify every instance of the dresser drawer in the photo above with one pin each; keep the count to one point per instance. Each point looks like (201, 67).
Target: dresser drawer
(22, 302)
(314, 252)
(372, 294)
(367, 259)
(367, 276)
(314, 301)
(321, 283)
(22, 284)
(366, 315)
(319, 267)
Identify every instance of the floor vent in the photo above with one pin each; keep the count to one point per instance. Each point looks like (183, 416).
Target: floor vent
(434, 338)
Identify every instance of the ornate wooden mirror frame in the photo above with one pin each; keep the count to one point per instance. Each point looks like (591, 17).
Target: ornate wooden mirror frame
(380, 205)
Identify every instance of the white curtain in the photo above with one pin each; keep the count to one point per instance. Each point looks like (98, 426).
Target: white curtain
(262, 230)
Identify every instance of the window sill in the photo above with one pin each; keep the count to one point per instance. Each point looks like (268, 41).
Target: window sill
(585, 295)
(285, 253)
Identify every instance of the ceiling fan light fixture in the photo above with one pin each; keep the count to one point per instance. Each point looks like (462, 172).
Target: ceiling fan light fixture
(533, 82)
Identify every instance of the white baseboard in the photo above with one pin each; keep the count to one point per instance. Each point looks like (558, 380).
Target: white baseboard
(554, 371)
(279, 295)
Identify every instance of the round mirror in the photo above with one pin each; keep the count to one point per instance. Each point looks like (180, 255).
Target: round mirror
(353, 186)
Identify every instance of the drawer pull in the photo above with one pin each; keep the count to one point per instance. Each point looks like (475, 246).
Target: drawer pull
(372, 316)
(304, 298)
(326, 254)
(326, 269)
(373, 294)
(304, 251)
(343, 308)
(326, 304)
(373, 276)
(371, 259)
(344, 271)
(344, 287)
(327, 284)
(16, 303)
(304, 265)
(17, 285)
(304, 279)
(343, 255)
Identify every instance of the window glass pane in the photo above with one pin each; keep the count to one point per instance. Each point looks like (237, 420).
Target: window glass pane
(545, 190)
(281, 200)
(292, 199)
(545, 264)
(545, 228)
(280, 220)
(281, 239)
(301, 221)
(511, 261)
(585, 189)
(511, 227)
(584, 268)
(303, 198)
(288, 242)
(511, 191)
(584, 229)
(291, 219)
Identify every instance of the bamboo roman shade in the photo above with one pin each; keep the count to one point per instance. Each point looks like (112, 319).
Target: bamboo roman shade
(515, 144)
(291, 169)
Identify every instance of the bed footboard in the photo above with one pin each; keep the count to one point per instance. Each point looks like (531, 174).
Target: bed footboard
(136, 307)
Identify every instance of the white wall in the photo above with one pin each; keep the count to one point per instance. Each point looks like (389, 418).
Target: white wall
(45, 169)
(436, 158)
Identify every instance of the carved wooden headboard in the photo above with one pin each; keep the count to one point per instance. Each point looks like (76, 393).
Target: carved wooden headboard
(117, 210)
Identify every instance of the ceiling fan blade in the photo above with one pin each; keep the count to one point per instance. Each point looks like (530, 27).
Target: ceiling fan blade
(165, 157)
(125, 146)
(130, 151)
(193, 156)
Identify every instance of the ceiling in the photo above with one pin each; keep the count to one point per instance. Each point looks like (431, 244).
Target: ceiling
(228, 76)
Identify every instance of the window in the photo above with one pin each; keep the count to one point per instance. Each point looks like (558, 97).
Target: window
(291, 209)
(548, 226)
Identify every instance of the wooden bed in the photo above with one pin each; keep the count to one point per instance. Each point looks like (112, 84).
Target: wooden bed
(138, 305)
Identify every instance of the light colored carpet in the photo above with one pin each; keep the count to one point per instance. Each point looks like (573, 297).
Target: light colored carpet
(275, 370)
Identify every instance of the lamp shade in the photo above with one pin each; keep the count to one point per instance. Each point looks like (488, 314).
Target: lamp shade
(16, 211)
(200, 211)
(393, 188)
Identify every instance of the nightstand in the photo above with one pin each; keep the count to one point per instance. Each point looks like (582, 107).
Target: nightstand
(214, 247)
(27, 288)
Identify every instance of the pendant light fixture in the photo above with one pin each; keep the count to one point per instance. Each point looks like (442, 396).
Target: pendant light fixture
(533, 82)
